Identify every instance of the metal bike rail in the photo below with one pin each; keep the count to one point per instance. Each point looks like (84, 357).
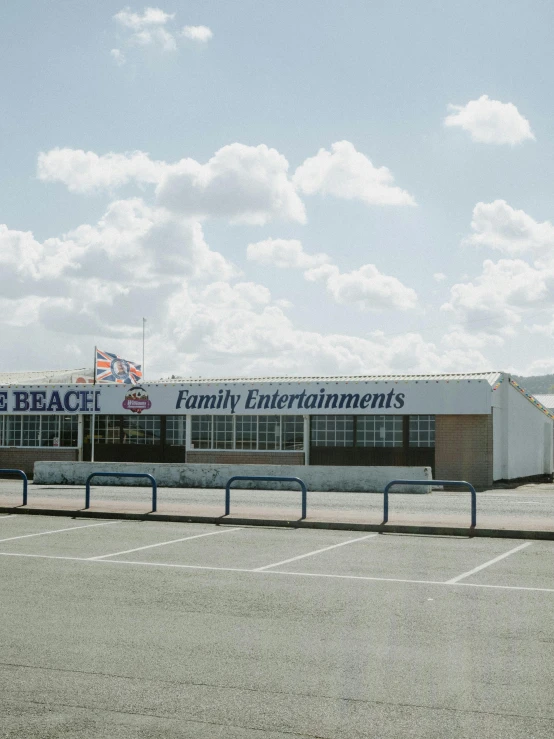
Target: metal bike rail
(455, 483)
(263, 478)
(25, 481)
(123, 474)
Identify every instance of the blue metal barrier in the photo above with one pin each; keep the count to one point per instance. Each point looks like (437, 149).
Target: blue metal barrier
(123, 474)
(25, 481)
(265, 479)
(456, 483)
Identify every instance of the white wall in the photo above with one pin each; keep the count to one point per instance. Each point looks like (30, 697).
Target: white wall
(500, 425)
(529, 431)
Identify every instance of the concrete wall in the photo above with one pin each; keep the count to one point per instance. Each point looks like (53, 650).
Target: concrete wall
(464, 449)
(320, 478)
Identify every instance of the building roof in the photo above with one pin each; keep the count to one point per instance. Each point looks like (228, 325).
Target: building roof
(47, 377)
(546, 400)
(61, 377)
(491, 377)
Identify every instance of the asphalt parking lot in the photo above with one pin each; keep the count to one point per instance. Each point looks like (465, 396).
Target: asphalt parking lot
(148, 629)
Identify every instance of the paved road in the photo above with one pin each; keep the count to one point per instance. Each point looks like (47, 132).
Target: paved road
(527, 506)
(199, 632)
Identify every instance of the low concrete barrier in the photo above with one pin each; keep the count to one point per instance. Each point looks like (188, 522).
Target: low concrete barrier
(318, 478)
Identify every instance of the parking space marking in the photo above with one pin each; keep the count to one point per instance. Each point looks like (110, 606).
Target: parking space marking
(59, 531)
(454, 580)
(502, 587)
(397, 579)
(43, 556)
(317, 551)
(8, 515)
(323, 575)
(163, 543)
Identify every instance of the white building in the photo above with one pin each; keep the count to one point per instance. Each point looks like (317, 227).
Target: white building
(479, 427)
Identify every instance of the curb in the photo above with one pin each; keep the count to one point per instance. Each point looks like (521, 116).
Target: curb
(298, 524)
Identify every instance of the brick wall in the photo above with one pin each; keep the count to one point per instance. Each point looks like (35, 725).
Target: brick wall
(24, 459)
(246, 457)
(463, 449)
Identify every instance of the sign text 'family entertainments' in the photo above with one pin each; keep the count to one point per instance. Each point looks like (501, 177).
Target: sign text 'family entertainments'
(230, 398)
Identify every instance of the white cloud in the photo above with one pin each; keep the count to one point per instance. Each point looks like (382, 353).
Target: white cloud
(546, 329)
(136, 243)
(490, 121)
(97, 275)
(495, 302)
(151, 17)
(85, 171)
(149, 28)
(499, 226)
(510, 291)
(247, 184)
(366, 287)
(96, 282)
(458, 339)
(439, 276)
(539, 367)
(284, 253)
(349, 174)
(154, 28)
(197, 33)
(220, 326)
(118, 56)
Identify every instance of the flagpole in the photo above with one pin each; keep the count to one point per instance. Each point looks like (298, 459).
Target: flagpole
(143, 329)
(93, 430)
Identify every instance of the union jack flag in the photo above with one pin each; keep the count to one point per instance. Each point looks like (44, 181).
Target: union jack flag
(112, 368)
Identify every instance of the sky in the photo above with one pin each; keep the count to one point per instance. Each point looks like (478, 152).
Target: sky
(294, 188)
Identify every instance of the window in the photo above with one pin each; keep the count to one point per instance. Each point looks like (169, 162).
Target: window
(222, 432)
(111, 429)
(175, 430)
(12, 425)
(333, 431)
(292, 429)
(422, 431)
(246, 432)
(201, 428)
(30, 431)
(107, 429)
(379, 431)
(69, 426)
(269, 432)
(34, 430)
(260, 433)
(141, 430)
(50, 431)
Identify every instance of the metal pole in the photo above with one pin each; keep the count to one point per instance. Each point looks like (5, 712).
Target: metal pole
(143, 330)
(228, 497)
(92, 424)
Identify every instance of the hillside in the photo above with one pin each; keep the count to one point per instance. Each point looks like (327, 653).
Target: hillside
(537, 384)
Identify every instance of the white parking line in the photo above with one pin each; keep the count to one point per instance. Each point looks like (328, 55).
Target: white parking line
(8, 515)
(59, 531)
(163, 543)
(488, 564)
(317, 551)
(322, 575)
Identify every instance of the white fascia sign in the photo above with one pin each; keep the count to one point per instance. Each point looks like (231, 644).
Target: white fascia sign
(407, 397)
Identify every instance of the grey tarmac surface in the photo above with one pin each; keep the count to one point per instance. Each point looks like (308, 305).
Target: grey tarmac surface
(123, 629)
